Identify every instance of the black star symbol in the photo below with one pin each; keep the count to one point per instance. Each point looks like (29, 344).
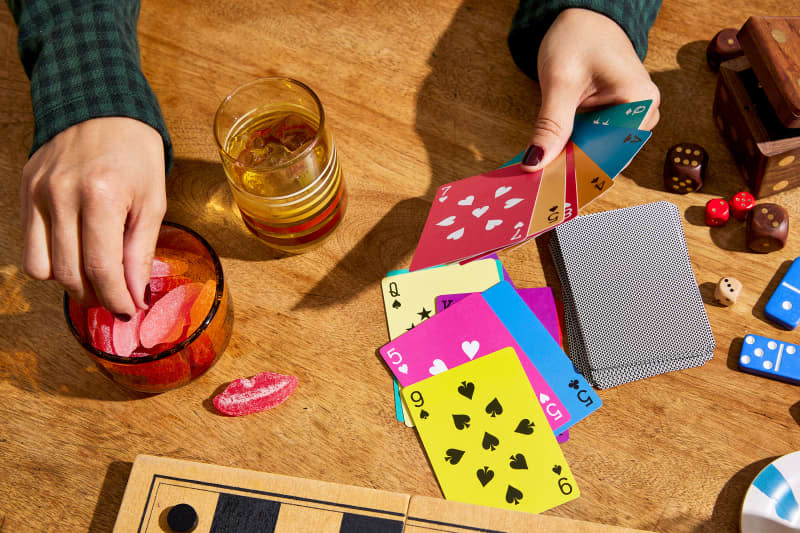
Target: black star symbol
(424, 313)
(412, 327)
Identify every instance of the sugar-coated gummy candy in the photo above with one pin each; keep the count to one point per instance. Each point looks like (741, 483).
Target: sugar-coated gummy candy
(125, 335)
(264, 391)
(99, 322)
(167, 320)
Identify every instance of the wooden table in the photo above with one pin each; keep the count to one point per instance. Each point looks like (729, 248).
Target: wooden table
(417, 94)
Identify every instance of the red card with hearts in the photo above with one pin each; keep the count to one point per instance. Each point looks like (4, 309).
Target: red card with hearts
(477, 214)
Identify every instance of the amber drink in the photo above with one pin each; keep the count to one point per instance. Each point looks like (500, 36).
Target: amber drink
(281, 163)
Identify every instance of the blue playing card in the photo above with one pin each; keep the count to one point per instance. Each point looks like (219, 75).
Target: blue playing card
(628, 115)
(610, 147)
(546, 355)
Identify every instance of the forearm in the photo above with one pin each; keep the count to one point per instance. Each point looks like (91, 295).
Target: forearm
(534, 17)
(82, 59)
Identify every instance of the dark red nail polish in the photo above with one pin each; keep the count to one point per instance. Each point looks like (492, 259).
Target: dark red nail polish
(123, 317)
(533, 155)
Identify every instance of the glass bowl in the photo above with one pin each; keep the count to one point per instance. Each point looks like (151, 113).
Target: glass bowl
(160, 371)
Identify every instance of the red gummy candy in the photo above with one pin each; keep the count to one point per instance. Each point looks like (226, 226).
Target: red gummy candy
(125, 335)
(99, 323)
(164, 267)
(159, 286)
(261, 392)
(168, 318)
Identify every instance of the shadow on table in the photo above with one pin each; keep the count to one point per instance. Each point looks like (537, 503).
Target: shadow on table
(794, 410)
(758, 309)
(472, 93)
(727, 509)
(110, 498)
(734, 351)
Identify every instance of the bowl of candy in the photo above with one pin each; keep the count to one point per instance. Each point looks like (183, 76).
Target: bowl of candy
(183, 332)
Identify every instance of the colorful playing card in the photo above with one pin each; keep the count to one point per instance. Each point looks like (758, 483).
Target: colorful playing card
(629, 115)
(609, 147)
(466, 331)
(547, 356)
(477, 214)
(409, 298)
(591, 181)
(487, 438)
(540, 300)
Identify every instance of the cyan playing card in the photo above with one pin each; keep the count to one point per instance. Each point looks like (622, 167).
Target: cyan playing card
(610, 147)
(783, 306)
(628, 115)
(550, 360)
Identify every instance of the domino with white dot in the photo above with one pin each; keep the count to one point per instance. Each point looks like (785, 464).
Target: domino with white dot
(770, 358)
(783, 306)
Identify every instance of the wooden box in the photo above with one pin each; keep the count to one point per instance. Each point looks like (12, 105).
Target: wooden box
(757, 102)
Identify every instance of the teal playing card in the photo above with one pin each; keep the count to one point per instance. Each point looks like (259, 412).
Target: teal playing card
(610, 147)
(628, 115)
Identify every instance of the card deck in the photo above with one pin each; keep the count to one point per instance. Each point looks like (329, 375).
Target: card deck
(486, 436)
(466, 331)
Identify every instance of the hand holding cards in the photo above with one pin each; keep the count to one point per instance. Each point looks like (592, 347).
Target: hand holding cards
(488, 212)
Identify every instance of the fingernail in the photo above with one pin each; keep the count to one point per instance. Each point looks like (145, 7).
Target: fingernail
(123, 317)
(533, 155)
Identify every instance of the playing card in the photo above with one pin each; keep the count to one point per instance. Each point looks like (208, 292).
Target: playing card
(611, 148)
(590, 180)
(549, 208)
(477, 214)
(540, 300)
(629, 115)
(486, 436)
(547, 356)
(466, 331)
(409, 298)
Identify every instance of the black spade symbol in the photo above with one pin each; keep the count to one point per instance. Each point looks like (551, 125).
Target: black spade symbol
(490, 442)
(494, 408)
(453, 456)
(485, 475)
(396, 304)
(424, 414)
(518, 462)
(557, 470)
(552, 209)
(525, 427)
(461, 421)
(513, 495)
(593, 181)
(466, 389)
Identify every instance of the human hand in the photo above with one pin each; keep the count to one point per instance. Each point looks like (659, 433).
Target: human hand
(585, 60)
(93, 198)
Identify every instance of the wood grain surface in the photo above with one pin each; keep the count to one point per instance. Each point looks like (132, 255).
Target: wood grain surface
(417, 94)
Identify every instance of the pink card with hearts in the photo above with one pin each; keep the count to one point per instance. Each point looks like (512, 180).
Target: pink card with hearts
(466, 330)
(477, 214)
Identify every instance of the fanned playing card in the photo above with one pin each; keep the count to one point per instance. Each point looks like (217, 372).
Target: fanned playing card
(477, 215)
(466, 331)
(487, 438)
(409, 298)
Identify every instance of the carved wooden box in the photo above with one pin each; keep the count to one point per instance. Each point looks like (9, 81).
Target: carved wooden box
(757, 104)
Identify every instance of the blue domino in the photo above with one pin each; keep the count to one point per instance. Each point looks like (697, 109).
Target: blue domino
(770, 358)
(783, 306)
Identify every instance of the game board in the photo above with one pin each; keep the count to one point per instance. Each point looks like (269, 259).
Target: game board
(231, 500)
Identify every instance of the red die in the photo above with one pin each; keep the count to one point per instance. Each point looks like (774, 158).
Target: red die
(741, 204)
(717, 212)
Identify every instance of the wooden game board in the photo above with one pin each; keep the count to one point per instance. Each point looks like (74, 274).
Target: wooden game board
(231, 500)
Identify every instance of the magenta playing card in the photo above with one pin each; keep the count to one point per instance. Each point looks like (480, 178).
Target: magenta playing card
(467, 330)
(476, 215)
(539, 299)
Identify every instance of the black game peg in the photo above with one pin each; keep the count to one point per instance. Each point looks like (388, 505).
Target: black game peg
(182, 518)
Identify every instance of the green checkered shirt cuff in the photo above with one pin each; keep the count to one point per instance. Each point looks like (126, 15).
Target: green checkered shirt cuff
(82, 58)
(534, 17)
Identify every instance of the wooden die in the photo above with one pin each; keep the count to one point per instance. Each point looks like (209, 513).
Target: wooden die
(727, 291)
(757, 104)
(685, 168)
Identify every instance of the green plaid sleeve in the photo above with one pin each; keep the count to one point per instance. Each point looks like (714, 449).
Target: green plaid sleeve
(534, 17)
(82, 58)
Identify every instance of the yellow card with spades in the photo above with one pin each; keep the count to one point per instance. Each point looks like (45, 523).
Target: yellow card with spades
(487, 438)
